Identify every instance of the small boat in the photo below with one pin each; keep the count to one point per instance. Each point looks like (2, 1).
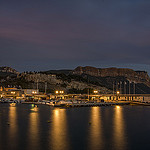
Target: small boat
(35, 109)
(51, 103)
(63, 103)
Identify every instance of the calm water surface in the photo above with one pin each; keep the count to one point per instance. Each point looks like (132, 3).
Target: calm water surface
(89, 128)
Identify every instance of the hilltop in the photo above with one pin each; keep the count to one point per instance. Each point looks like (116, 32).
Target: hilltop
(80, 79)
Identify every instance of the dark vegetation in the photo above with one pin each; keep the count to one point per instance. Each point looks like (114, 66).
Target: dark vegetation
(117, 83)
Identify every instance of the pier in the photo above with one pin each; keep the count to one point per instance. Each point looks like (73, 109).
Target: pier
(91, 104)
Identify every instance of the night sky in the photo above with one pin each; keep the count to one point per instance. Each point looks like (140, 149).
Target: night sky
(63, 34)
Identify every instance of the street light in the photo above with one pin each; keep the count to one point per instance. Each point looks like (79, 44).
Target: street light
(34, 92)
(12, 92)
(61, 92)
(95, 91)
(56, 92)
(118, 92)
(117, 95)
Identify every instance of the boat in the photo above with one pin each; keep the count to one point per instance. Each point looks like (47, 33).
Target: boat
(63, 103)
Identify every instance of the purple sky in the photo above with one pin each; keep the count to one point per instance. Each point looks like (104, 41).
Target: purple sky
(61, 34)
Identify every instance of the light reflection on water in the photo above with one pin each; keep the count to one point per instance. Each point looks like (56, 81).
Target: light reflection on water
(13, 127)
(1, 130)
(119, 129)
(95, 132)
(59, 133)
(33, 133)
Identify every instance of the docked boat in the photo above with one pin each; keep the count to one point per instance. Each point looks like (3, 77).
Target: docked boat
(62, 103)
(34, 108)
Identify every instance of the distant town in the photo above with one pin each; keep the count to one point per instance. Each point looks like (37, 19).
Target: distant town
(81, 84)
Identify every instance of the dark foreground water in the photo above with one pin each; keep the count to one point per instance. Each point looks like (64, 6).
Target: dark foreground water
(89, 128)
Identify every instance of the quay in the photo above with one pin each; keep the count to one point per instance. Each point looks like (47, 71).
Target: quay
(88, 104)
(91, 104)
(34, 95)
(62, 99)
(62, 103)
(36, 103)
(72, 103)
(140, 103)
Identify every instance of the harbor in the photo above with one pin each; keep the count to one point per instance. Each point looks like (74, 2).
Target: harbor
(54, 128)
(75, 103)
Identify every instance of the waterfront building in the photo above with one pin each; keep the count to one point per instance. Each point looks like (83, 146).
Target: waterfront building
(29, 92)
(11, 93)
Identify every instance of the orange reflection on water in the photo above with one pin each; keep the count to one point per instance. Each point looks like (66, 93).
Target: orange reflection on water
(59, 134)
(0, 130)
(95, 138)
(13, 127)
(33, 129)
(119, 129)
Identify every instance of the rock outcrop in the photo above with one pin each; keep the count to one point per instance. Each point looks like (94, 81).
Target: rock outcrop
(129, 74)
(39, 77)
(104, 80)
(8, 70)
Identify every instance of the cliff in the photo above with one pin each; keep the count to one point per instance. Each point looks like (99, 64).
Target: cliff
(129, 74)
(79, 79)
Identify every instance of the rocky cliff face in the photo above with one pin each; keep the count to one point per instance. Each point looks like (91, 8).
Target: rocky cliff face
(129, 74)
(104, 80)
(38, 77)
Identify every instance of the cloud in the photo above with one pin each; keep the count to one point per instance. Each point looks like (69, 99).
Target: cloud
(75, 32)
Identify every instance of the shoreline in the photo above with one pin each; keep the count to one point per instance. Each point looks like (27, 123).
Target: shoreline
(88, 104)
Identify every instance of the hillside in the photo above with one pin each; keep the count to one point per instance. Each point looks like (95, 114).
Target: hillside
(117, 77)
(79, 80)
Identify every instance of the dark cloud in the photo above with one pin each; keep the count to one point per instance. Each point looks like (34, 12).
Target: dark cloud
(53, 34)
